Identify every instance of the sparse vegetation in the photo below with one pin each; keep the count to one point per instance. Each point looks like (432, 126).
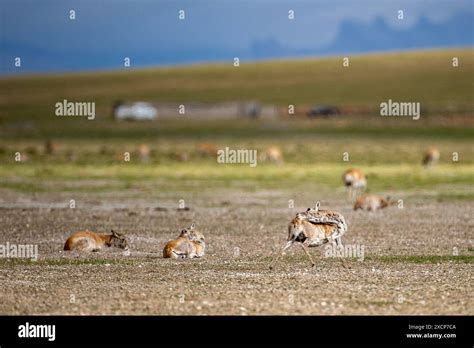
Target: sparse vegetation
(56, 262)
(243, 211)
(423, 258)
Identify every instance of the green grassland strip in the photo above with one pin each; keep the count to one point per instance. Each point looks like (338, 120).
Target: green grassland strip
(423, 259)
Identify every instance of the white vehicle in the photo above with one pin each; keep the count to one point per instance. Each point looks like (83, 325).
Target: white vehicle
(139, 111)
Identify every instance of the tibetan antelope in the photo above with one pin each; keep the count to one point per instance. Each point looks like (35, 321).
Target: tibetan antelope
(273, 154)
(373, 202)
(179, 156)
(91, 241)
(431, 157)
(355, 182)
(189, 244)
(50, 148)
(144, 152)
(313, 228)
(207, 150)
(199, 242)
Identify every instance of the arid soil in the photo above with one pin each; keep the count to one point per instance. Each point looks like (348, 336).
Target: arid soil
(417, 260)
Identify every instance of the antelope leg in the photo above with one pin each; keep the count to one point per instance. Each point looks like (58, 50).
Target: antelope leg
(350, 193)
(287, 245)
(339, 246)
(307, 253)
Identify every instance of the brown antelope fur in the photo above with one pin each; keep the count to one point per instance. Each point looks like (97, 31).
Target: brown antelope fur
(91, 241)
(144, 152)
(207, 150)
(273, 154)
(189, 244)
(431, 157)
(50, 148)
(199, 242)
(308, 234)
(373, 202)
(179, 156)
(355, 181)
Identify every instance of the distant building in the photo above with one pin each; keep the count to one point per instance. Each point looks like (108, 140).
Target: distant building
(139, 111)
(323, 110)
(194, 110)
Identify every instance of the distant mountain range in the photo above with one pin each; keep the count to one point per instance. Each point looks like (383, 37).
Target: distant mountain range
(377, 35)
(352, 37)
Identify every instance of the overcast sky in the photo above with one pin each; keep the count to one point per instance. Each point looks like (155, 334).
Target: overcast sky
(41, 28)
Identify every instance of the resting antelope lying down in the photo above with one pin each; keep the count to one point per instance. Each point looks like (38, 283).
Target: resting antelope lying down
(190, 244)
(314, 228)
(91, 241)
(372, 202)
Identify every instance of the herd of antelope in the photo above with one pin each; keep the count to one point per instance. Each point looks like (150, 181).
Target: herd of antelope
(311, 228)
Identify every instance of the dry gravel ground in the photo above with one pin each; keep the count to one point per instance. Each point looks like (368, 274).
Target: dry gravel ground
(409, 267)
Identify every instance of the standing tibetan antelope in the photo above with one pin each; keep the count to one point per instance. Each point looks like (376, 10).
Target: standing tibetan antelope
(91, 241)
(144, 152)
(273, 154)
(313, 228)
(355, 182)
(431, 157)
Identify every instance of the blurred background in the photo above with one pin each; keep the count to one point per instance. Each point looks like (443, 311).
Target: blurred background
(173, 82)
(154, 98)
(102, 33)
